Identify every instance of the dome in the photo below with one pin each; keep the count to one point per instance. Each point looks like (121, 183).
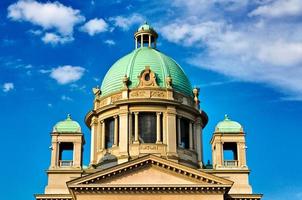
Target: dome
(135, 62)
(145, 27)
(228, 126)
(67, 126)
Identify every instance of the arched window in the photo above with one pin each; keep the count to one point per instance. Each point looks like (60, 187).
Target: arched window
(109, 132)
(147, 127)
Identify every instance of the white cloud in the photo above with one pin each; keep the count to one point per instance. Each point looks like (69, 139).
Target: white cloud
(94, 26)
(49, 105)
(125, 22)
(29, 66)
(44, 71)
(54, 39)
(206, 8)
(7, 87)
(76, 87)
(66, 74)
(279, 8)
(66, 98)
(35, 32)
(96, 79)
(50, 15)
(256, 50)
(109, 42)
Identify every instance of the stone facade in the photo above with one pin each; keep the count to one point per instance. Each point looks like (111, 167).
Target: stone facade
(146, 142)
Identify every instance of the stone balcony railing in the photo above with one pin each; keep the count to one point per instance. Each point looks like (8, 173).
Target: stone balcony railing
(230, 163)
(65, 163)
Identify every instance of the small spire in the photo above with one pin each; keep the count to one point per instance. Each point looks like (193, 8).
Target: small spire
(226, 117)
(68, 116)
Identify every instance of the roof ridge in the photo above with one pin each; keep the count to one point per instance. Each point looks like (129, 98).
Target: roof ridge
(165, 70)
(131, 62)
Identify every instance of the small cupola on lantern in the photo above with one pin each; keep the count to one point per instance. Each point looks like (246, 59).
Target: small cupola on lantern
(145, 36)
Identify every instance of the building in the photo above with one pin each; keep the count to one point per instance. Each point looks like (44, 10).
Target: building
(146, 132)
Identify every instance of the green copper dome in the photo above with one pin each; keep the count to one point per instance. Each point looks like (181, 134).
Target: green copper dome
(228, 126)
(67, 126)
(135, 62)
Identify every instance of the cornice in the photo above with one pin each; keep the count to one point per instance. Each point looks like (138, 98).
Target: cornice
(233, 171)
(197, 175)
(243, 196)
(147, 189)
(53, 196)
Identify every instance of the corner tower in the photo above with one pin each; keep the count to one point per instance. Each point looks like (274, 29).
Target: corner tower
(229, 154)
(228, 145)
(66, 155)
(146, 105)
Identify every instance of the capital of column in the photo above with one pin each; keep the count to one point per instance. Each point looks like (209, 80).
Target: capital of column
(94, 121)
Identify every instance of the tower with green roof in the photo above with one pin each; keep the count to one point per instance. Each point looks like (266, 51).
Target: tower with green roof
(66, 154)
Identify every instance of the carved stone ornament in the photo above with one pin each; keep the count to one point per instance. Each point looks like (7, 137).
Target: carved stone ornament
(169, 82)
(96, 91)
(125, 81)
(147, 78)
(159, 94)
(116, 97)
(196, 94)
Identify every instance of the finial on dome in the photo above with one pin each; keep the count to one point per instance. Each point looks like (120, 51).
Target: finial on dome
(196, 94)
(226, 117)
(96, 91)
(145, 36)
(69, 117)
(125, 81)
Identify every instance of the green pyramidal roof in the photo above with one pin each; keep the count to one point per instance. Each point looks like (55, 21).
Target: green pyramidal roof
(228, 126)
(67, 126)
(135, 62)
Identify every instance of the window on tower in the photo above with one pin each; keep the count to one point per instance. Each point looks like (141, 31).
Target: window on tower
(66, 154)
(230, 155)
(109, 132)
(147, 127)
(184, 130)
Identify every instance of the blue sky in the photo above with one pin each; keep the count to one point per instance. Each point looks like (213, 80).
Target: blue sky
(244, 55)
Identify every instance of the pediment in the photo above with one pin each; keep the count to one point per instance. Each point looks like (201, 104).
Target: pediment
(149, 175)
(149, 171)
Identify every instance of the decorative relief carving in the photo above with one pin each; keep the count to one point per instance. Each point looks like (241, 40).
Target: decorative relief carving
(116, 97)
(178, 98)
(103, 102)
(149, 147)
(160, 94)
(147, 78)
(140, 94)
